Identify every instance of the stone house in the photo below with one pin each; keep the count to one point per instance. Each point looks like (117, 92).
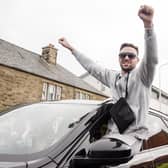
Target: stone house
(27, 77)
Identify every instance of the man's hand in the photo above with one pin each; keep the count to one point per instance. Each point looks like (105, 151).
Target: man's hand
(65, 44)
(146, 14)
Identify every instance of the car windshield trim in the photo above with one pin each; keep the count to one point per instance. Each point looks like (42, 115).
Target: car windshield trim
(158, 115)
(166, 123)
(158, 112)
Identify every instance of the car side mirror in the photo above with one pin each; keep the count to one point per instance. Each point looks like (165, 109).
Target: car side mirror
(103, 152)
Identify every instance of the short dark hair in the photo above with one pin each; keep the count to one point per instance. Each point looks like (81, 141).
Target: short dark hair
(129, 45)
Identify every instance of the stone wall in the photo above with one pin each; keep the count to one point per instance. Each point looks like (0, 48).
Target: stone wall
(17, 87)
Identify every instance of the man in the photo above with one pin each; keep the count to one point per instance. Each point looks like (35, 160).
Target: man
(139, 82)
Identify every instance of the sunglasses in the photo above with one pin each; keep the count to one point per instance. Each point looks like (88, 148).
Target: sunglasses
(124, 54)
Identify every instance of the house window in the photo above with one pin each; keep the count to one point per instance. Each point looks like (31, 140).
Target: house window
(77, 95)
(83, 95)
(51, 92)
(80, 95)
(87, 96)
(58, 93)
(44, 91)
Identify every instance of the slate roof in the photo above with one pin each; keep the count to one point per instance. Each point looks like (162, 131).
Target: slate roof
(19, 58)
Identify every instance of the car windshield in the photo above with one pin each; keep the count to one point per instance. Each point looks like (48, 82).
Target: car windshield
(35, 127)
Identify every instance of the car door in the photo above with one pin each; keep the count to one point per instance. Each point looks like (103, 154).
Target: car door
(154, 152)
(160, 140)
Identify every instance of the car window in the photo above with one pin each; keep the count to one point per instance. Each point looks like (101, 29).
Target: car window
(36, 127)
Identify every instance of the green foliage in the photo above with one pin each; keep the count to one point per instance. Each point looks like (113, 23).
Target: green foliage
(164, 165)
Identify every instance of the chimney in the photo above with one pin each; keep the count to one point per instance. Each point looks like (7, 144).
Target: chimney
(49, 53)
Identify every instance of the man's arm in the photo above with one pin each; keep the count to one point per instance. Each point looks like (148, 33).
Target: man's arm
(101, 73)
(150, 59)
(66, 44)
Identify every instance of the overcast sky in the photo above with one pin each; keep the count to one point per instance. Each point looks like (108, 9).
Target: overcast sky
(95, 27)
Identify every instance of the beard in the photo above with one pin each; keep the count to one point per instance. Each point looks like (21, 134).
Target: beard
(127, 69)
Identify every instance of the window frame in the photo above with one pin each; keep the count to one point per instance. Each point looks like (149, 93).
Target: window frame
(56, 92)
